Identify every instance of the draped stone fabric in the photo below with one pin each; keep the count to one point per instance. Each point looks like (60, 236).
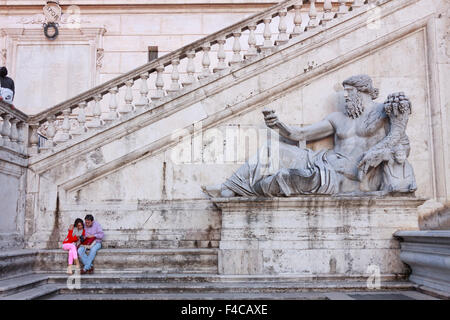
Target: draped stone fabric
(293, 171)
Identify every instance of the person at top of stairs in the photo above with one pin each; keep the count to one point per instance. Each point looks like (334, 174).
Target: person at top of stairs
(72, 241)
(7, 88)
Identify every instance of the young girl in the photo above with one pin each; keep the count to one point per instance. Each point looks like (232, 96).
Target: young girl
(72, 242)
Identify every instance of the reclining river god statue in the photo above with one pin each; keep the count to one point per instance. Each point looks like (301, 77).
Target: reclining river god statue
(369, 155)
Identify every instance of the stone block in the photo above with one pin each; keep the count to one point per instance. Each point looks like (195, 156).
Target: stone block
(16, 262)
(314, 235)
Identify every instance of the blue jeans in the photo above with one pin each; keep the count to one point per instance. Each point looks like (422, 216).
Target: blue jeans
(88, 259)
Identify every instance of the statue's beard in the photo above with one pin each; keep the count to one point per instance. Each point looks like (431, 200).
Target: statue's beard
(354, 107)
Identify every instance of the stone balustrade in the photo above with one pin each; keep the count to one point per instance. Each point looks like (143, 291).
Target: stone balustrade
(13, 129)
(148, 86)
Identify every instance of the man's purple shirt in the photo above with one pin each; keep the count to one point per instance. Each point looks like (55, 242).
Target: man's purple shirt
(95, 230)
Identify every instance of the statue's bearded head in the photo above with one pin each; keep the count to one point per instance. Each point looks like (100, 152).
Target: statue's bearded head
(355, 87)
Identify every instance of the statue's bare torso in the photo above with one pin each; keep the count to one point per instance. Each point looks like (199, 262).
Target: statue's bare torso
(352, 139)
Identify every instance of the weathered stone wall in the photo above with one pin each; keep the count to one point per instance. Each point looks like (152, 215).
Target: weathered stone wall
(12, 199)
(320, 236)
(113, 173)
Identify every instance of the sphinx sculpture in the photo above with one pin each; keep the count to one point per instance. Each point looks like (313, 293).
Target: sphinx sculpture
(369, 155)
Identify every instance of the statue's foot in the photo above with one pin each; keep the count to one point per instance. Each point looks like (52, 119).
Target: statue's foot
(227, 193)
(212, 191)
(218, 191)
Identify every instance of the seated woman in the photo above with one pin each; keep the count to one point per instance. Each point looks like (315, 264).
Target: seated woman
(72, 242)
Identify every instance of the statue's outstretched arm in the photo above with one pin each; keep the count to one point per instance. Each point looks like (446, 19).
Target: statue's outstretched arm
(312, 132)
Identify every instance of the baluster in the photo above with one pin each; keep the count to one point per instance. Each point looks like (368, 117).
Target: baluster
(34, 139)
(282, 28)
(144, 101)
(14, 135)
(221, 56)
(190, 69)
(50, 133)
(128, 106)
(328, 15)
(312, 15)
(267, 46)
(297, 20)
(58, 126)
(2, 115)
(236, 49)
(159, 83)
(252, 52)
(21, 130)
(64, 135)
(6, 130)
(112, 114)
(96, 113)
(175, 86)
(206, 62)
(81, 119)
(343, 9)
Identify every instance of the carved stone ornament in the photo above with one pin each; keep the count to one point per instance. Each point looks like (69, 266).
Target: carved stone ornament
(53, 34)
(100, 56)
(52, 12)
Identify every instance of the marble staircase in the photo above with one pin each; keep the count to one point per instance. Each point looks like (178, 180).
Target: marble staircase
(150, 286)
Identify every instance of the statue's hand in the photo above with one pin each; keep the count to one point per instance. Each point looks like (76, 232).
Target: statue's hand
(371, 159)
(271, 118)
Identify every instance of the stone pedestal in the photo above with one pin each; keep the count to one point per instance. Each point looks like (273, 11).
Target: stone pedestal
(318, 236)
(428, 255)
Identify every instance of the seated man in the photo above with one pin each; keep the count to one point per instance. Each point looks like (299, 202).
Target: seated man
(93, 230)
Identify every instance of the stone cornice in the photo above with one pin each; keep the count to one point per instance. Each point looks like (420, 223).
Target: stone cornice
(425, 236)
(241, 203)
(6, 107)
(16, 3)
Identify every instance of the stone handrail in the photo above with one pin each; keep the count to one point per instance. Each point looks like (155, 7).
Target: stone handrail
(68, 120)
(13, 128)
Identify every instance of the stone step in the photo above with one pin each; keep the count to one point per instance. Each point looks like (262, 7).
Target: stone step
(236, 288)
(145, 277)
(34, 293)
(137, 260)
(193, 296)
(332, 295)
(18, 284)
(14, 263)
(185, 286)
